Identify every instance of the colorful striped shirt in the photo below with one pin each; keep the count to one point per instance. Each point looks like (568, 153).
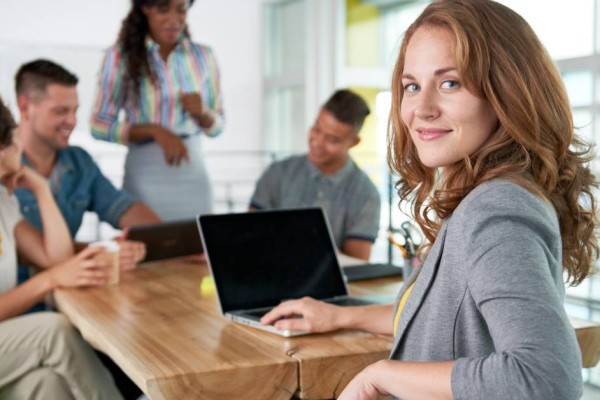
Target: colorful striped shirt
(189, 68)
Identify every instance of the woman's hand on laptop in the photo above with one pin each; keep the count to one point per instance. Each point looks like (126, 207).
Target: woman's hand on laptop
(305, 314)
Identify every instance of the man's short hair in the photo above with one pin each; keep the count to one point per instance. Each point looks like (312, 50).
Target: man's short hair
(7, 126)
(38, 74)
(348, 108)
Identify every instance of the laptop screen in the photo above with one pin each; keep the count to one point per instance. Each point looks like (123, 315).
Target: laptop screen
(260, 258)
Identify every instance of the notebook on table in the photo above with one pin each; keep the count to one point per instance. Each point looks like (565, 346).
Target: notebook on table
(355, 269)
(262, 258)
(168, 239)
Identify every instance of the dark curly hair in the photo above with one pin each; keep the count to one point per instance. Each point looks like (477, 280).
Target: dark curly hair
(132, 36)
(7, 125)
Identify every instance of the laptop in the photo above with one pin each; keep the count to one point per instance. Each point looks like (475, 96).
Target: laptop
(168, 239)
(259, 259)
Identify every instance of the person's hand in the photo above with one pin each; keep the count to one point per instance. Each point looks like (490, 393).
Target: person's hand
(192, 103)
(172, 146)
(131, 251)
(26, 178)
(306, 314)
(83, 269)
(363, 386)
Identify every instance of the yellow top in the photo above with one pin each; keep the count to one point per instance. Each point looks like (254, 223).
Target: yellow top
(403, 300)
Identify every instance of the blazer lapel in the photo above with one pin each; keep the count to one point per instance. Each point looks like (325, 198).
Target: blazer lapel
(423, 281)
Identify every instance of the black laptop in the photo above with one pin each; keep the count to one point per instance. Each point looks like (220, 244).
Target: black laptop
(168, 239)
(261, 258)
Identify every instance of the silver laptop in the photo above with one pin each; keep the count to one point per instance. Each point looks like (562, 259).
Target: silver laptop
(262, 258)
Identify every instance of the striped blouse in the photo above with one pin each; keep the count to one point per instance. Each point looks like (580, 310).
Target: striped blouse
(189, 68)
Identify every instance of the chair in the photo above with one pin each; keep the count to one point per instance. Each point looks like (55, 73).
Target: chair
(588, 336)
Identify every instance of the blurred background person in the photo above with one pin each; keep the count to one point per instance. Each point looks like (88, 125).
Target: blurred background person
(168, 88)
(42, 355)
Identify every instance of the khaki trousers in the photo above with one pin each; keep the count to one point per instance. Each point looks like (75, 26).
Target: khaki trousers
(43, 357)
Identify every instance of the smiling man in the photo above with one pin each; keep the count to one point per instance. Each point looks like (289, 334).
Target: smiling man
(48, 102)
(327, 177)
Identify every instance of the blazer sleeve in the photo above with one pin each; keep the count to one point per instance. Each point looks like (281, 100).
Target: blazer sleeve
(512, 247)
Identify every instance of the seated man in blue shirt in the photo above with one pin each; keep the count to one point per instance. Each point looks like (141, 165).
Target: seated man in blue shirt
(328, 177)
(48, 102)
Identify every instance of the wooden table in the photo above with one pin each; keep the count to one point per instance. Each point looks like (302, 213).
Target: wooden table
(174, 344)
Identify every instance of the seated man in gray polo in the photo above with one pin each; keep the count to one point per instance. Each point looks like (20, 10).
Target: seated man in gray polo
(328, 177)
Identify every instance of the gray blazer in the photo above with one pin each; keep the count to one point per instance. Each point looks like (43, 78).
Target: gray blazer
(490, 296)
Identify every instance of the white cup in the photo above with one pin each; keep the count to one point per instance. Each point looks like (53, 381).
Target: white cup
(110, 254)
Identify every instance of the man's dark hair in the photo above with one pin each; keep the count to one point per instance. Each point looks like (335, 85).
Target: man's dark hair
(7, 125)
(348, 108)
(38, 74)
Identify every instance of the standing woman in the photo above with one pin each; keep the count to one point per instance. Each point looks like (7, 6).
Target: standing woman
(168, 88)
(482, 137)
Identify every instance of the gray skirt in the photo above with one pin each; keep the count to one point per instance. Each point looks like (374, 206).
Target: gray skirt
(172, 192)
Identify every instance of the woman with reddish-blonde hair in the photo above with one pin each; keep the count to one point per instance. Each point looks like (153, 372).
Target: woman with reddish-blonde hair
(482, 137)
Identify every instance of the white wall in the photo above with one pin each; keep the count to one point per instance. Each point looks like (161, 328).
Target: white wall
(74, 32)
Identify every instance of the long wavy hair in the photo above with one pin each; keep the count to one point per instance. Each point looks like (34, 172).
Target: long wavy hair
(132, 40)
(500, 59)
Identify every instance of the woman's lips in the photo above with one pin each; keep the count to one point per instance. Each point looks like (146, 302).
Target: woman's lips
(429, 134)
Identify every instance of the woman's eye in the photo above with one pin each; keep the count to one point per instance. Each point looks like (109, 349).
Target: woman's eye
(411, 87)
(450, 84)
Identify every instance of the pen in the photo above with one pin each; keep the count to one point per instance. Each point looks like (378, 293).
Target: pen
(399, 246)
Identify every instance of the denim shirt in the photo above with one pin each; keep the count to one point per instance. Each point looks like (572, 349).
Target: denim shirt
(78, 186)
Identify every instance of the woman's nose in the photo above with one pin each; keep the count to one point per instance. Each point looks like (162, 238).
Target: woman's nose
(427, 107)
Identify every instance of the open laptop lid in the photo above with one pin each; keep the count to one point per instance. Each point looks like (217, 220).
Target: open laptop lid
(260, 258)
(168, 239)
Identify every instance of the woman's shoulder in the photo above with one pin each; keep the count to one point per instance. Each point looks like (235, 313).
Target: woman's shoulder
(200, 47)
(502, 196)
(500, 205)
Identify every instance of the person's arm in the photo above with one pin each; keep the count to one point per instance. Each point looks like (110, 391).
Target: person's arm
(138, 214)
(415, 380)
(318, 316)
(362, 225)
(110, 98)
(357, 248)
(120, 210)
(80, 270)
(207, 112)
(54, 244)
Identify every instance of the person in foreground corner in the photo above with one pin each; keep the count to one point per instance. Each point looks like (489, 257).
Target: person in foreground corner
(43, 357)
(327, 177)
(482, 137)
